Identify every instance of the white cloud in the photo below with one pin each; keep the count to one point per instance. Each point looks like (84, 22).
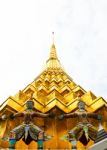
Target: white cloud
(25, 36)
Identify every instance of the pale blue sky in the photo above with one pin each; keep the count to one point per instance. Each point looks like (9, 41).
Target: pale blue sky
(80, 28)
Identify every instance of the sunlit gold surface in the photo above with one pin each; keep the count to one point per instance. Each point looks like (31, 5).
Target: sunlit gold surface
(52, 90)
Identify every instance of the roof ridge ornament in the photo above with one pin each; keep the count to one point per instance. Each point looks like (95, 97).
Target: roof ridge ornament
(53, 38)
(53, 54)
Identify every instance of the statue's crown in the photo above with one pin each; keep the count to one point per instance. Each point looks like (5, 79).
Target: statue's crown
(30, 101)
(81, 102)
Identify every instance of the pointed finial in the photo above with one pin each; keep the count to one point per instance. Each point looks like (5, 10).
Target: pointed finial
(53, 49)
(53, 62)
(53, 38)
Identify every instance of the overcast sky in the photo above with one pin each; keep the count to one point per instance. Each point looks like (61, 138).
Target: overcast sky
(80, 28)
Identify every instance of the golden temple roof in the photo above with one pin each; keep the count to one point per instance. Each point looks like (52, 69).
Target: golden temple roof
(53, 88)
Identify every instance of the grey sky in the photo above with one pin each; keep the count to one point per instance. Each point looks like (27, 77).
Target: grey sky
(80, 28)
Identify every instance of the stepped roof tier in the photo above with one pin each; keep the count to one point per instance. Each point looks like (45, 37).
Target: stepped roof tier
(101, 135)
(101, 139)
(53, 87)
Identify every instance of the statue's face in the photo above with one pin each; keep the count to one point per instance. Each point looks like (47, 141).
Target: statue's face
(81, 105)
(29, 104)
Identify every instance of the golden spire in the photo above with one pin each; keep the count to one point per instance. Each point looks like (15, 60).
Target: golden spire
(53, 37)
(53, 62)
(53, 54)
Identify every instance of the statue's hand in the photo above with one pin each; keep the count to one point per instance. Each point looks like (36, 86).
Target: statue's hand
(60, 117)
(52, 115)
(4, 117)
(11, 116)
(99, 117)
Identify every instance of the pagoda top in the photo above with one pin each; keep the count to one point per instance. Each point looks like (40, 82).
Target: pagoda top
(53, 62)
(53, 54)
